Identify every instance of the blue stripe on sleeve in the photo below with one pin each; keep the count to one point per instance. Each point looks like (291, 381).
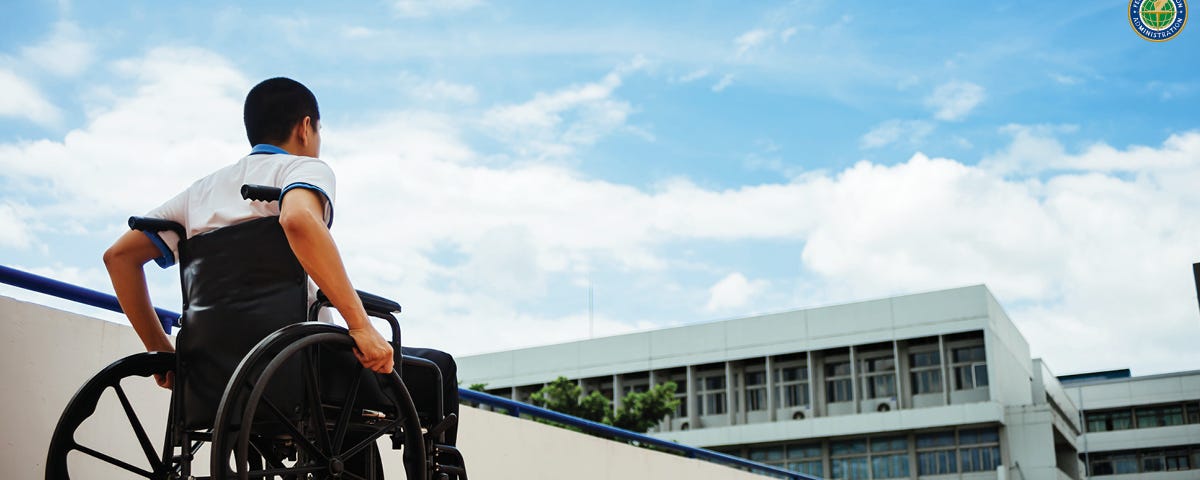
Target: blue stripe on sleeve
(168, 257)
(310, 186)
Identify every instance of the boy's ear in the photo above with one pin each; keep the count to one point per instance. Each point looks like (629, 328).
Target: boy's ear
(302, 132)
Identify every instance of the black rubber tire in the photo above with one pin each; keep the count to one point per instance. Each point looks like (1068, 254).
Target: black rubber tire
(83, 405)
(318, 449)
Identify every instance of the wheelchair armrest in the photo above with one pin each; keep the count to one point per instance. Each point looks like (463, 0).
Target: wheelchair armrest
(147, 224)
(375, 305)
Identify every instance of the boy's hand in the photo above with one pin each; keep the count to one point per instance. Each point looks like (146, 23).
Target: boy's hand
(372, 350)
(166, 381)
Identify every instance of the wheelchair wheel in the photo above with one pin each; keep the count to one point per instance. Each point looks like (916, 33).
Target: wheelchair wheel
(82, 412)
(344, 410)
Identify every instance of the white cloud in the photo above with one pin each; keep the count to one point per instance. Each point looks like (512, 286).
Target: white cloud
(22, 99)
(750, 40)
(952, 101)
(184, 117)
(724, 83)
(787, 34)
(437, 90)
(65, 52)
(554, 124)
(14, 230)
(910, 132)
(426, 8)
(733, 291)
(694, 75)
(1065, 79)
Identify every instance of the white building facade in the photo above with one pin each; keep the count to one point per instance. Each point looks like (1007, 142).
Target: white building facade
(1140, 427)
(932, 385)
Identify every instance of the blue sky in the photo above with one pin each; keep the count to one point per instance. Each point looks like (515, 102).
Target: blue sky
(691, 161)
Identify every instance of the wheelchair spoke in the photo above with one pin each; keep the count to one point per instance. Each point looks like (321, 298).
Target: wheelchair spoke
(343, 422)
(113, 461)
(296, 435)
(351, 475)
(144, 439)
(371, 439)
(314, 398)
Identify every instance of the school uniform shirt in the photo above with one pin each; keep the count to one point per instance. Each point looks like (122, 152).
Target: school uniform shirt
(215, 201)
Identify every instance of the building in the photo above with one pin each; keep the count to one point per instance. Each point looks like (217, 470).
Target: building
(932, 385)
(1143, 427)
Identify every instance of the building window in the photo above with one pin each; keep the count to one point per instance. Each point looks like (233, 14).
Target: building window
(879, 377)
(805, 459)
(756, 391)
(791, 386)
(1145, 461)
(1109, 421)
(1163, 416)
(889, 457)
(926, 368)
(839, 386)
(1101, 466)
(772, 455)
(979, 449)
(970, 368)
(1193, 412)
(1125, 464)
(849, 459)
(712, 395)
(1176, 460)
(936, 454)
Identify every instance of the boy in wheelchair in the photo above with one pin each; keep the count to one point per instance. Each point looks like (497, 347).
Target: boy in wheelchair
(244, 266)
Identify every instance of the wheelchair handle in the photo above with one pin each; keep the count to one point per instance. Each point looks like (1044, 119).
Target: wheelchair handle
(260, 193)
(155, 225)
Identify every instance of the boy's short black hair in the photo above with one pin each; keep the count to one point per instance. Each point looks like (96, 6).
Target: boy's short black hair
(274, 106)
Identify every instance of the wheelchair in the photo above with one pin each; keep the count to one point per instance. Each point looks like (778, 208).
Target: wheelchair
(270, 391)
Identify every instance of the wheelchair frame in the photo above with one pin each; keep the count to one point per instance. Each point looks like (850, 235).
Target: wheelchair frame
(315, 444)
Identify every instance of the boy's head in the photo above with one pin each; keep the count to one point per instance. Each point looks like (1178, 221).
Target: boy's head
(275, 107)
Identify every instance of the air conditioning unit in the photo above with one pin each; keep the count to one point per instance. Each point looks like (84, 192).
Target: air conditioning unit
(794, 413)
(886, 405)
(679, 424)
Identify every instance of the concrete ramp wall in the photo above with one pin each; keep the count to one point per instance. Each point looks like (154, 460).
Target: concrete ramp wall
(48, 354)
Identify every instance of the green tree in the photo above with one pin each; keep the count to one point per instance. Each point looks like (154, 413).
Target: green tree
(641, 410)
(565, 396)
(478, 387)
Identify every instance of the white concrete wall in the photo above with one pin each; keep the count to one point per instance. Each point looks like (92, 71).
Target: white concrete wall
(1010, 370)
(1148, 390)
(48, 354)
(1029, 436)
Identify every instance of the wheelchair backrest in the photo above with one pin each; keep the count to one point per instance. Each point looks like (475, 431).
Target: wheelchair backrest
(240, 283)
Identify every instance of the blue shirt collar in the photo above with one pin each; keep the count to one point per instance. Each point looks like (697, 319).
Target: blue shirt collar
(267, 149)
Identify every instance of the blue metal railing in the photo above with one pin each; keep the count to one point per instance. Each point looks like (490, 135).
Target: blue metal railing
(103, 300)
(518, 409)
(75, 293)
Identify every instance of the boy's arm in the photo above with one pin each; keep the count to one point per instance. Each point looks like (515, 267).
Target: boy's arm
(124, 261)
(302, 216)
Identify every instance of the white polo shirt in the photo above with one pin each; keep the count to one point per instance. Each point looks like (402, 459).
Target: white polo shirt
(215, 201)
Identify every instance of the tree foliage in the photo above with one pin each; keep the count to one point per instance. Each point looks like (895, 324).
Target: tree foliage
(638, 412)
(641, 410)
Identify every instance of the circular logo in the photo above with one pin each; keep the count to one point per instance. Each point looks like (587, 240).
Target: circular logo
(1157, 20)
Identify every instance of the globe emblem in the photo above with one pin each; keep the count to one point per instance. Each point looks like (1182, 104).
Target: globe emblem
(1158, 14)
